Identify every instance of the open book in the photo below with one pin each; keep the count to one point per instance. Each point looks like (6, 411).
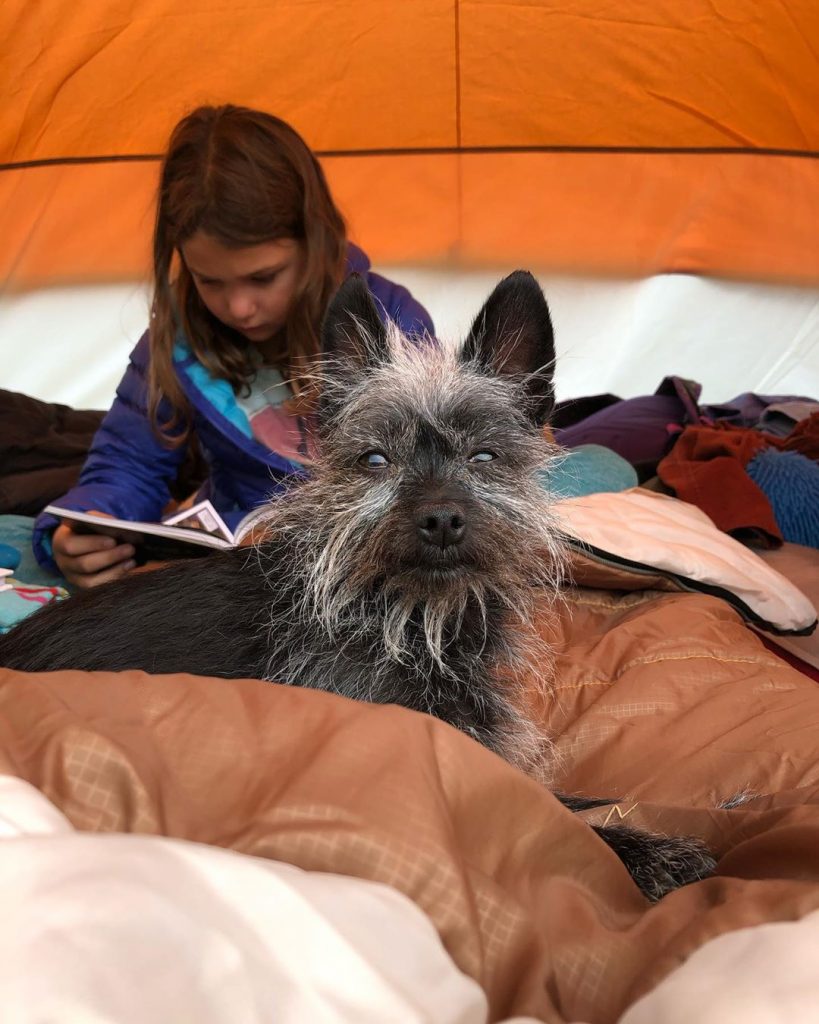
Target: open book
(186, 534)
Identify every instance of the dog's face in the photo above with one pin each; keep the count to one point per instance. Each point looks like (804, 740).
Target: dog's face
(431, 455)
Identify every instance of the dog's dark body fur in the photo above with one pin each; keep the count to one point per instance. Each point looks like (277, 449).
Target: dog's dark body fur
(403, 572)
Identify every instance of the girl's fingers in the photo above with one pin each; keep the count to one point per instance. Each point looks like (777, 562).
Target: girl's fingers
(73, 544)
(98, 561)
(83, 555)
(85, 580)
(67, 542)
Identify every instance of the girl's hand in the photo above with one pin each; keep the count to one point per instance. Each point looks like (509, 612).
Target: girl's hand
(88, 559)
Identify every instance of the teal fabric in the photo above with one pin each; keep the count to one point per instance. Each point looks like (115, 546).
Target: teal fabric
(218, 392)
(16, 553)
(589, 469)
(15, 540)
(23, 599)
(9, 556)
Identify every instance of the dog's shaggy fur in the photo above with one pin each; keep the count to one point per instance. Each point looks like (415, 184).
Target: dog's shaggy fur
(404, 571)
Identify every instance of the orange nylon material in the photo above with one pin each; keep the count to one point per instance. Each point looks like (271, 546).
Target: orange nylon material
(109, 80)
(632, 213)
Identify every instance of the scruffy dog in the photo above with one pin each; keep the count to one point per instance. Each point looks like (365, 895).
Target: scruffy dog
(404, 571)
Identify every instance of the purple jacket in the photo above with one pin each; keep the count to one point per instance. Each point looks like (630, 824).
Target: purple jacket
(128, 471)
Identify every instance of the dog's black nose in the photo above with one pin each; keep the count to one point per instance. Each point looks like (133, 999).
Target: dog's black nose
(441, 525)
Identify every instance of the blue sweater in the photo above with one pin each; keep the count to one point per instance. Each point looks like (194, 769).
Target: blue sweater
(128, 470)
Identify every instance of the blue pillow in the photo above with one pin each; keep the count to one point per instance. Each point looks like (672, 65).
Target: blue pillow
(589, 469)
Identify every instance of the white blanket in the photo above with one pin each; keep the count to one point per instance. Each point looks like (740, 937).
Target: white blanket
(124, 928)
(762, 975)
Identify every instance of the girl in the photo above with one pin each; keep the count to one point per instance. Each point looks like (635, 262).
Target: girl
(248, 249)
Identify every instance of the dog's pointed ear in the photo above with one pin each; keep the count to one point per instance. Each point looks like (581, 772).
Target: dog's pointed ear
(512, 336)
(353, 341)
(353, 334)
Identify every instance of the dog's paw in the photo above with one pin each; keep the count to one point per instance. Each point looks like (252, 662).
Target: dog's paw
(658, 864)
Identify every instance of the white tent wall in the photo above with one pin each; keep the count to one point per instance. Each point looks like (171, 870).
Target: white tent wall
(71, 345)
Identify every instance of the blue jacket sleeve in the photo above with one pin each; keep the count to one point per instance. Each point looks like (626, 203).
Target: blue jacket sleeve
(128, 470)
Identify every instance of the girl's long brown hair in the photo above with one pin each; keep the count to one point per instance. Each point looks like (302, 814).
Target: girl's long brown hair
(243, 177)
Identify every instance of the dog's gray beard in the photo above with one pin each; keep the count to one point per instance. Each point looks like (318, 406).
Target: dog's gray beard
(337, 579)
(334, 596)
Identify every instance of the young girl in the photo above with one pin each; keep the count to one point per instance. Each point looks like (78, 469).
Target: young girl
(248, 249)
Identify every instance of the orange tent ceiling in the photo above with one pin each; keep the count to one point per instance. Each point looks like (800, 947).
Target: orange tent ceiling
(584, 136)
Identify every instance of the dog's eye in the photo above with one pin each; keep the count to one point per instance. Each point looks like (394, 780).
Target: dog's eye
(483, 457)
(374, 460)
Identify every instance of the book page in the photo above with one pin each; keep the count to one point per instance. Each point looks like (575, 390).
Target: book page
(253, 519)
(202, 516)
(174, 538)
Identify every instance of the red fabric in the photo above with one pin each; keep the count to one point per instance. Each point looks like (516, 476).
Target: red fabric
(792, 659)
(804, 438)
(706, 467)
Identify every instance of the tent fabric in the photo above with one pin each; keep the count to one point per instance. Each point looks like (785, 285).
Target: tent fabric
(582, 137)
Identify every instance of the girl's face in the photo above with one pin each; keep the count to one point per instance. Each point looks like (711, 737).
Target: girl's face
(249, 289)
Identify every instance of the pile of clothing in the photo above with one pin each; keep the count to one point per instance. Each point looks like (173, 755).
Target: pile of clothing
(752, 464)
